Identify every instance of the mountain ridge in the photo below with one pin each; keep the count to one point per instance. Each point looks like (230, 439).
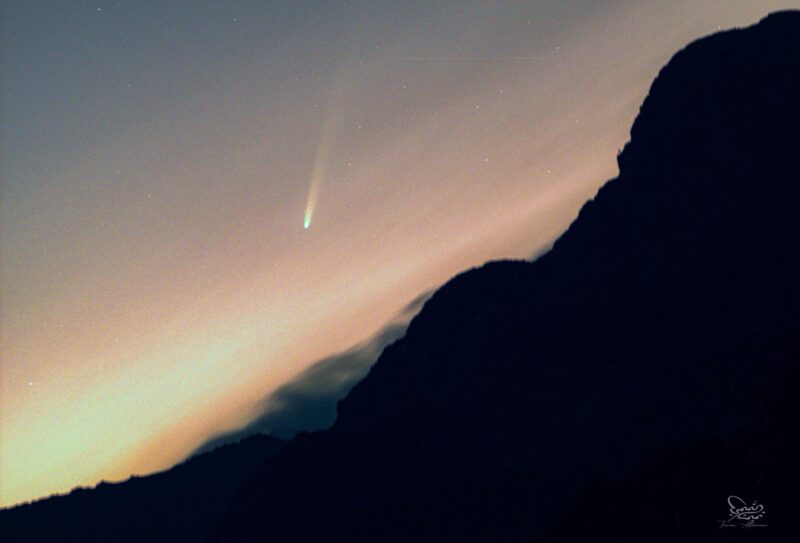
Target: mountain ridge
(581, 360)
(179, 503)
(662, 320)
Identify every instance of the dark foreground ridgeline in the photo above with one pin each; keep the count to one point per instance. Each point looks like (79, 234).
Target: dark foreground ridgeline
(623, 386)
(181, 504)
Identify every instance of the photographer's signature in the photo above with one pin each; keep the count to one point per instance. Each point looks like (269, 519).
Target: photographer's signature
(743, 515)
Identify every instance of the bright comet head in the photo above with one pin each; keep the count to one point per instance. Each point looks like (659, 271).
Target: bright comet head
(309, 211)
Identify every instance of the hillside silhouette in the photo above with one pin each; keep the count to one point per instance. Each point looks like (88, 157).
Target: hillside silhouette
(181, 504)
(624, 384)
(308, 401)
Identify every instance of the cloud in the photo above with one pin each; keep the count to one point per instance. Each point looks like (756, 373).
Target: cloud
(308, 402)
(541, 251)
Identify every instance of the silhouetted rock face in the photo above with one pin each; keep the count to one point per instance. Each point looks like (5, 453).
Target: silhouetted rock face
(658, 334)
(681, 494)
(181, 504)
(663, 315)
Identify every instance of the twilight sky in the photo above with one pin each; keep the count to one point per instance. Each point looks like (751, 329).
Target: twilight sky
(162, 160)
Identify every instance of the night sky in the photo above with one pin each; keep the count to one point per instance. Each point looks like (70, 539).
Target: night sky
(201, 199)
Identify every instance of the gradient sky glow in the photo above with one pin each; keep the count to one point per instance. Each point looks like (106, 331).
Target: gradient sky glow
(201, 199)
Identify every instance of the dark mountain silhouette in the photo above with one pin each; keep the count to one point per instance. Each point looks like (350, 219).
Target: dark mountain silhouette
(677, 494)
(622, 385)
(664, 315)
(308, 402)
(181, 504)
(184, 502)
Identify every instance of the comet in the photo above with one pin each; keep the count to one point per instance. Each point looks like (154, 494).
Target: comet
(325, 146)
(318, 174)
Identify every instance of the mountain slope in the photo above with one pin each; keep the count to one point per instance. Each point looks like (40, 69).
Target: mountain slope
(519, 383)
(658, 333)
(681, 493)
(180, 504)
